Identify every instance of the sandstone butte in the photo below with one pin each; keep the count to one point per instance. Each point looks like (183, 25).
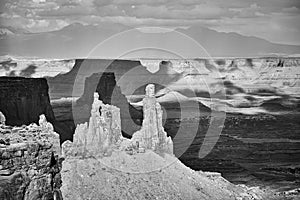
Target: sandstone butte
(101, 164)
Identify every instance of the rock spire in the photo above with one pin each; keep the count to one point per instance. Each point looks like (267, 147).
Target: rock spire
(152, 135)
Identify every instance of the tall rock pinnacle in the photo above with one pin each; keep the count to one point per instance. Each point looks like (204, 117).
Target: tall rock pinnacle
(152, 134)
(100, 135)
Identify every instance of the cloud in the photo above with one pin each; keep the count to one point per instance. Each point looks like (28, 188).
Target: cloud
(256, 17)
(165, 12)
(291, 10)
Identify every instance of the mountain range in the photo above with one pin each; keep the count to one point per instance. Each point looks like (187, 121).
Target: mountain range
(77, 40)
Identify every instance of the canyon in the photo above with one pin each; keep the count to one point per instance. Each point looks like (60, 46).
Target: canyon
(100, 163)
(259, 143)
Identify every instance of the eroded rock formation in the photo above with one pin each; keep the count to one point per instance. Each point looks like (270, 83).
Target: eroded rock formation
(152, 134)
(2, 118)
(100, 135)
(109, 93)
(30, 162)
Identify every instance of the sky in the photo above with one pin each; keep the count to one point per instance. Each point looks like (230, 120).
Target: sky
(277, 21)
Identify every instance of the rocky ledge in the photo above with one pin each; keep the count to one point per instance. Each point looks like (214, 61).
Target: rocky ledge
(29, 161)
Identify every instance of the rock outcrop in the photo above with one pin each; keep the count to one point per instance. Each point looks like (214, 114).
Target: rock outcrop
(30, 162)
(92, 179)
(100, 135)
(23, 100)
(152, 134)
(2, 118)
(109, 93)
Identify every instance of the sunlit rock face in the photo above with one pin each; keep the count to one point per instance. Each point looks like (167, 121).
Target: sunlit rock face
(152, 134)
(34, 67)
(30, 162)
(100, 135)
(2, 118)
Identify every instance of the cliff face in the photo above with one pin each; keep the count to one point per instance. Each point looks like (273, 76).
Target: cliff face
(22, 100)
(62, 85)
(30, 162)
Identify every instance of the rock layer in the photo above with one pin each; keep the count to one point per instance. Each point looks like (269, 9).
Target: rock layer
(30, 162)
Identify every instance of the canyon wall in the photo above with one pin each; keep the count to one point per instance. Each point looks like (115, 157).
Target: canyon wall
(22, 100)
(251, 73)
(30, 162)
(62, 85)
